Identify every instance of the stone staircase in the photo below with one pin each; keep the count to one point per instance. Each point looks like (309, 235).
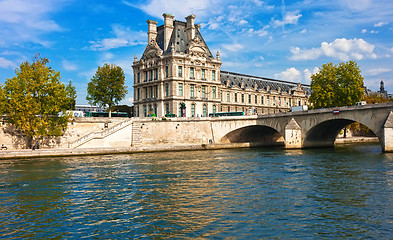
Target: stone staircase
(136, 134)
(100, 134)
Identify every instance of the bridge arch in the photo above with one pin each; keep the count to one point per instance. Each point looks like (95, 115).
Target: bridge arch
(325, 133)
(258, 134)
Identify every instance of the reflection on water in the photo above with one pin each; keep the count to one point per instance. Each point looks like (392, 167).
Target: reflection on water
(243, 193)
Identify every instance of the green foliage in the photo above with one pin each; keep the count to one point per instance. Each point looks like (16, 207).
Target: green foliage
(71, 95)
(376, 98)
(336, 85)
(107, 88)
(34, 98)
(2, 100)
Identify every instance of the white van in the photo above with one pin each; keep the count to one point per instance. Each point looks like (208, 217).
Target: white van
(360, 103)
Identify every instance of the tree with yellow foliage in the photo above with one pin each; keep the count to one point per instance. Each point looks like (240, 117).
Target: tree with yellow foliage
(33, 100)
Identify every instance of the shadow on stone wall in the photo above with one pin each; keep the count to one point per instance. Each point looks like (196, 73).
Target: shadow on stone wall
(20, 141)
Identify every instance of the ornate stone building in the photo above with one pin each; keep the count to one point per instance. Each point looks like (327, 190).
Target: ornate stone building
(177, 74)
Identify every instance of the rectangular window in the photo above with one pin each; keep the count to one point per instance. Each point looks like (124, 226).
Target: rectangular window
(214, 75)
(166, 71)
(204, 110)
(156, 77)
(262, 100)
(256, 99)
(192, 110)
(228, 96)
(242, 97)
(180, 89)
(274, 101)
(151, 75)
(167, 109)
(192, 73)
(192, 87)
(166, 89)
(214, 92)
(138, 94)
(235, 97)
(214, 108)
(180, 71)
(249, 98)
(146, 76)
(203, 74)
(203, 91)
(138, 77)
(267, 101)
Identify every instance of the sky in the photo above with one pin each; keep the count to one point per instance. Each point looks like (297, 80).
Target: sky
(281, 39)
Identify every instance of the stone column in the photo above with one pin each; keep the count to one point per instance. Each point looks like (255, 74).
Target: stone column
(387, 145)
(293, 135)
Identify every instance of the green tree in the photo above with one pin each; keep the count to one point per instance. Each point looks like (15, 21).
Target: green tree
(33, 100)
(2, 100)
(107, 88)
(336, 85)
(71, 95)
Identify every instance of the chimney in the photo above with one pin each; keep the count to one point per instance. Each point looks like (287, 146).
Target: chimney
(152, 31)
(190, 27)
(168, 29)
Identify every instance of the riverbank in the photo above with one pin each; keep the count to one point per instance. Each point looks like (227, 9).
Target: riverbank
(63, 152)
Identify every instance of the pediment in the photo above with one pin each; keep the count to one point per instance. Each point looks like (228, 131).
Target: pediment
(152, 50)
(196, 49)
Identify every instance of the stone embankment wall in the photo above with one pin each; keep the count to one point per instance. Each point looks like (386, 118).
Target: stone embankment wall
(77, 128)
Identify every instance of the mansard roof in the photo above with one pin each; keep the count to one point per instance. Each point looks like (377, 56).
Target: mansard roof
(179, 39)
(232, 79)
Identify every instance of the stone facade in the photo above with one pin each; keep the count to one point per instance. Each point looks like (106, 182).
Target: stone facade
(178, 75)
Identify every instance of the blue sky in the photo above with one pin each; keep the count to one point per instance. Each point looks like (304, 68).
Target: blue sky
(280, 39)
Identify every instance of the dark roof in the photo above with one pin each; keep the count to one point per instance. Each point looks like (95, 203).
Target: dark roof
(179, 38)
(232, 79)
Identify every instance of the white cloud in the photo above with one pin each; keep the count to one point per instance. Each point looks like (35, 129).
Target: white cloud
(123, 37)
(4, 63)
(303, 31)
(243, 22)
(342, 49)
(261, 32)
(294, 75)
(233, 47)
(289, 18)
(258, 3)
(307, 74)
(364, 30)
(183, 9)
(377, 71)
(69, 66)
(391, 49)
(291, 74)
(356, 5)
(380, 24)
(27, 20)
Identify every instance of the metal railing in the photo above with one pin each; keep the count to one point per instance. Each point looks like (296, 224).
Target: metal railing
(99, 134)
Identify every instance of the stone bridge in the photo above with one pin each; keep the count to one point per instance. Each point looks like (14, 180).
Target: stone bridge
(314, 128)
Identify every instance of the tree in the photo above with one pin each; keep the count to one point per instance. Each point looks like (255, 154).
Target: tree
(2, 100)
(33, 100)
(107, 88)
(336, 85)
(71, 95)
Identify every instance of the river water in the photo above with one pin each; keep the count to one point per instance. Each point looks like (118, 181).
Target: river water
(346, 192)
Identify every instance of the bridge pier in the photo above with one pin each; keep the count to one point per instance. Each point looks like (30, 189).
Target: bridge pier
(293, 135)
(387, 145)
